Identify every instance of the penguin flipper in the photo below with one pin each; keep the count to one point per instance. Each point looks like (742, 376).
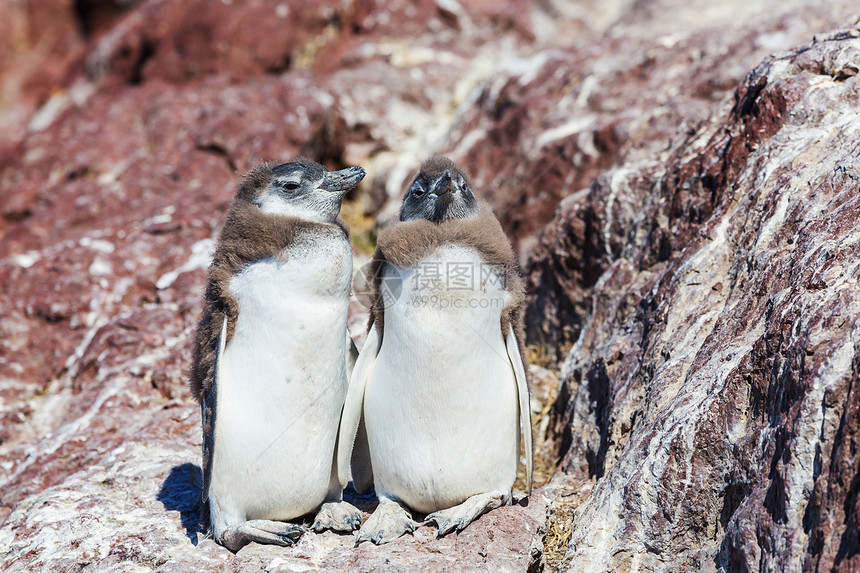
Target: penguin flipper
(362, 468)
(354, 404)
(516, 358)
(351, 355)
(208, 410)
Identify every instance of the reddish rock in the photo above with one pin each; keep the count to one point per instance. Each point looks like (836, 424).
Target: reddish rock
(636, 108)
(710, 391)
(38, 39)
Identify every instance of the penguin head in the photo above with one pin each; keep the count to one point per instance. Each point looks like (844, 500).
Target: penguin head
(306, 190)
(440, 192)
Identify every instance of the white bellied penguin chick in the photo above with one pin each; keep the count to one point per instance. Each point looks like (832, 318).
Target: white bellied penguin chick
(270, 357)
(439, 397)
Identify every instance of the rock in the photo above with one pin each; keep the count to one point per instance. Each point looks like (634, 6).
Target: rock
(711, 392)
(38, 40)
(630, 110)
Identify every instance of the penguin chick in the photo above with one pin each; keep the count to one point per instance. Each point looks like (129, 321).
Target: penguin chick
(270, 357)
(439, 390)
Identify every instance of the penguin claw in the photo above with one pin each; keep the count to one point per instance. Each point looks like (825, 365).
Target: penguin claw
(290, 537)
(337, 516)
(386, 524)
(262, 531)
(444, 524)
(460, 516)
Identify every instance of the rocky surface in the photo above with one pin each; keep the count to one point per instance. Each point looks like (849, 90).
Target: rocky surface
(679, 177)
(717, 370)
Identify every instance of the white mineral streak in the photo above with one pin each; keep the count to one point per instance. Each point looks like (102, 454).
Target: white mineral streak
(563, 131)
(26, 260)
(201, 257)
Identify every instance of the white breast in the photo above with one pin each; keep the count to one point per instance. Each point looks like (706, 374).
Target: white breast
(283, 382)
(441, 402)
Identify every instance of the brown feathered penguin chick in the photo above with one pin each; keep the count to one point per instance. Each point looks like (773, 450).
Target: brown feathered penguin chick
(439, 394)
(270, 354)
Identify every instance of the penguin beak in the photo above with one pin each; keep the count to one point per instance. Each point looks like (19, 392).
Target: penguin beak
(343, 180)
(442, 184)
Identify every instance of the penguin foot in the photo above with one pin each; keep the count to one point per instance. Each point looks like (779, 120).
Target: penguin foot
(337, 516)
(262, 531)
(459, 516)
(387, 523)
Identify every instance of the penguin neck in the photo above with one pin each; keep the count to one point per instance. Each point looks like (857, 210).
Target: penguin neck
(303, 213)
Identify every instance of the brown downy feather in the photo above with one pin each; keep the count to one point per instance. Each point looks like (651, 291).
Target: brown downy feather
(248, 235)
(405, 244)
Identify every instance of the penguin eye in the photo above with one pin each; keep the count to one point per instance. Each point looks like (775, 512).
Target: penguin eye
(417, 191)
(290, 185)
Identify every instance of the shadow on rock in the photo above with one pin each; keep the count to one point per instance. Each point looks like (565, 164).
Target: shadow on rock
(181, 492)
